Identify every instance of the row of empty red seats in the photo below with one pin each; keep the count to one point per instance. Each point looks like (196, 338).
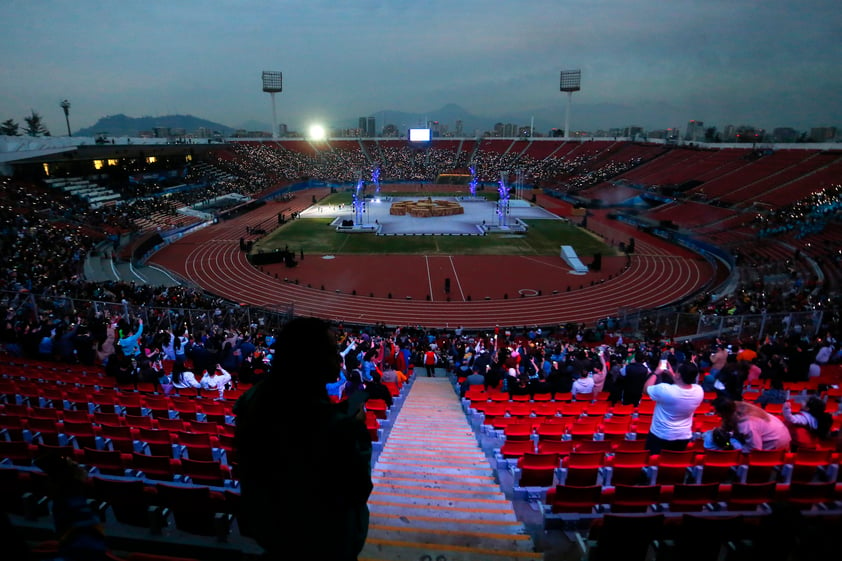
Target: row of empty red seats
(196, 509)
(694, 497)
(600, 462)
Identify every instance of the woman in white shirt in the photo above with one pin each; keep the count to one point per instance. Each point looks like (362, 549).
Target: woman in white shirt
(218, 380)
(182, 379)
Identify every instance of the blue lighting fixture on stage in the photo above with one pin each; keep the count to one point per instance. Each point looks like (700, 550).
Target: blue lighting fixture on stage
(474, 181)
(359, 203)
(503, 203)
(375, 178)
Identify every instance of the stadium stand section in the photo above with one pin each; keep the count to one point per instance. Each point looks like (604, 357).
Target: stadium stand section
(776, 215)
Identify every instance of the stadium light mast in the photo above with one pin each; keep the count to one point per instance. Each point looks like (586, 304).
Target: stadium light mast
(273, 82)
(65, 105)
(570, 81)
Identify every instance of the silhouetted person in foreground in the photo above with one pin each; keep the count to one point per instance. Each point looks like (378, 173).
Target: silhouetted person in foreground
(305, 463)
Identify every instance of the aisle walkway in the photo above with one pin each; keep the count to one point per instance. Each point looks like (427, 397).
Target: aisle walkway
(435, 497)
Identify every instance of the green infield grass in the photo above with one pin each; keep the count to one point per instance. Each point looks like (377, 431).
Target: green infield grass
(544, 237)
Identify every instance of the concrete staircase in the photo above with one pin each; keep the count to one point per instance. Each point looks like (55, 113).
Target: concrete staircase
(435, 496)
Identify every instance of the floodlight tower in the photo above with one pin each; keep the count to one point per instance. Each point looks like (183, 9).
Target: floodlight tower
(273, 82)
(65, 105)
(571, 81)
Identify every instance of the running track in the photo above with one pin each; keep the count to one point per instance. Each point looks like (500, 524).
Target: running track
(658, 274)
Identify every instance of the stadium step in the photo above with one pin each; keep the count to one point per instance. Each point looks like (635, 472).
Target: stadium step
(435, 495)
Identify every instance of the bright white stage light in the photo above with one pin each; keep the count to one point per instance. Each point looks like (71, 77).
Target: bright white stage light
(317, 132)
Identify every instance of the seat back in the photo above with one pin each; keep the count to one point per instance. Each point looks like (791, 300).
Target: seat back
(807, 463)
(560, 447)
(194, 508)
(637, 458)
(115, 431)
(764, 465)
(551, 428)
(573, 498)
(18, 452)
(379, 407)
(807, 495)
(626, 536)
(154, 467)
(582, 468)
(76, 415)
(14, 427)
(204, 472)
(689, 497)
(540, 460)
(750, 496)
(719, 465)
(139, 421)
(628, 467)
(129, 499)
(109, 462)
(516, 448)
(704, 537)
(208, 427)
(635, 498)
(78, 428)
(109, 418)
(193, 438)
(583, 429)
(591, 445)
(154, 435)
(673, 466)
(520, 430)
(213, 411)
(170, 424)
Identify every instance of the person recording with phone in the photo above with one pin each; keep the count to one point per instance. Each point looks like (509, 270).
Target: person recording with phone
(677, 396)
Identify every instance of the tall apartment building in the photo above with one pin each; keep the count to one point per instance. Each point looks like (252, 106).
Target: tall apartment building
(695, 131)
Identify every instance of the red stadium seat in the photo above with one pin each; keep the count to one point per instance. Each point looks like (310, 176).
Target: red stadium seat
(537, 469)
(572, 498)
(693, 497)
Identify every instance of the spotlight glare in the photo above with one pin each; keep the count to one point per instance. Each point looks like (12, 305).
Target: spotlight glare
(317, 132)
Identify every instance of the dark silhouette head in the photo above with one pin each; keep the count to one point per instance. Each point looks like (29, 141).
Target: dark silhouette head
(306, 349)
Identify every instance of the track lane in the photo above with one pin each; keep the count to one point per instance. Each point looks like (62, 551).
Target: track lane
(656, 276)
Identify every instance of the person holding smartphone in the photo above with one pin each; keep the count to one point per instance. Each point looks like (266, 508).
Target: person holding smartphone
(675, 403)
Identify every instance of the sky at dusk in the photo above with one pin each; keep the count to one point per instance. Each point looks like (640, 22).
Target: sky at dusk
(767, 63)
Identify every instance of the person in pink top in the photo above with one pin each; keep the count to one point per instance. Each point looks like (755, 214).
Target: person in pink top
(753, 427)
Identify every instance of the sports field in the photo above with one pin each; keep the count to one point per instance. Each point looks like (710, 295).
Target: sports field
(317, 236)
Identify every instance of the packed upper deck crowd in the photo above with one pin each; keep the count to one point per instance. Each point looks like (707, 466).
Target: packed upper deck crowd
(409, 163)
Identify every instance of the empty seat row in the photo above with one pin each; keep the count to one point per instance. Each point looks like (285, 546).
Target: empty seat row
(590, 465)
(201, 510)
(692, 497)
(198, 467)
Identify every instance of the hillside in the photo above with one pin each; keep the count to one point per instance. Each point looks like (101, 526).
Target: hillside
(123, 125)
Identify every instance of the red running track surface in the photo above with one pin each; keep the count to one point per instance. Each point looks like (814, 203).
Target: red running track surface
(503, 290)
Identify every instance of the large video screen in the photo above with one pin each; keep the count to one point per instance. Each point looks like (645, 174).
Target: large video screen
(419, 135)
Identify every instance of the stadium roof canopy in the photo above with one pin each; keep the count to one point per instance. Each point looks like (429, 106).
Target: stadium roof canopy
(20, 149)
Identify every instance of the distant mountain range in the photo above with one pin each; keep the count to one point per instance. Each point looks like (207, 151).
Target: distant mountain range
(123, 125)
(598, 116)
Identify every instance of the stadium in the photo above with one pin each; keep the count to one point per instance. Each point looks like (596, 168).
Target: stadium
(602, 241)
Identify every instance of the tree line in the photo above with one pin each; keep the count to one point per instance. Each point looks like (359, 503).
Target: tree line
(34, 126)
